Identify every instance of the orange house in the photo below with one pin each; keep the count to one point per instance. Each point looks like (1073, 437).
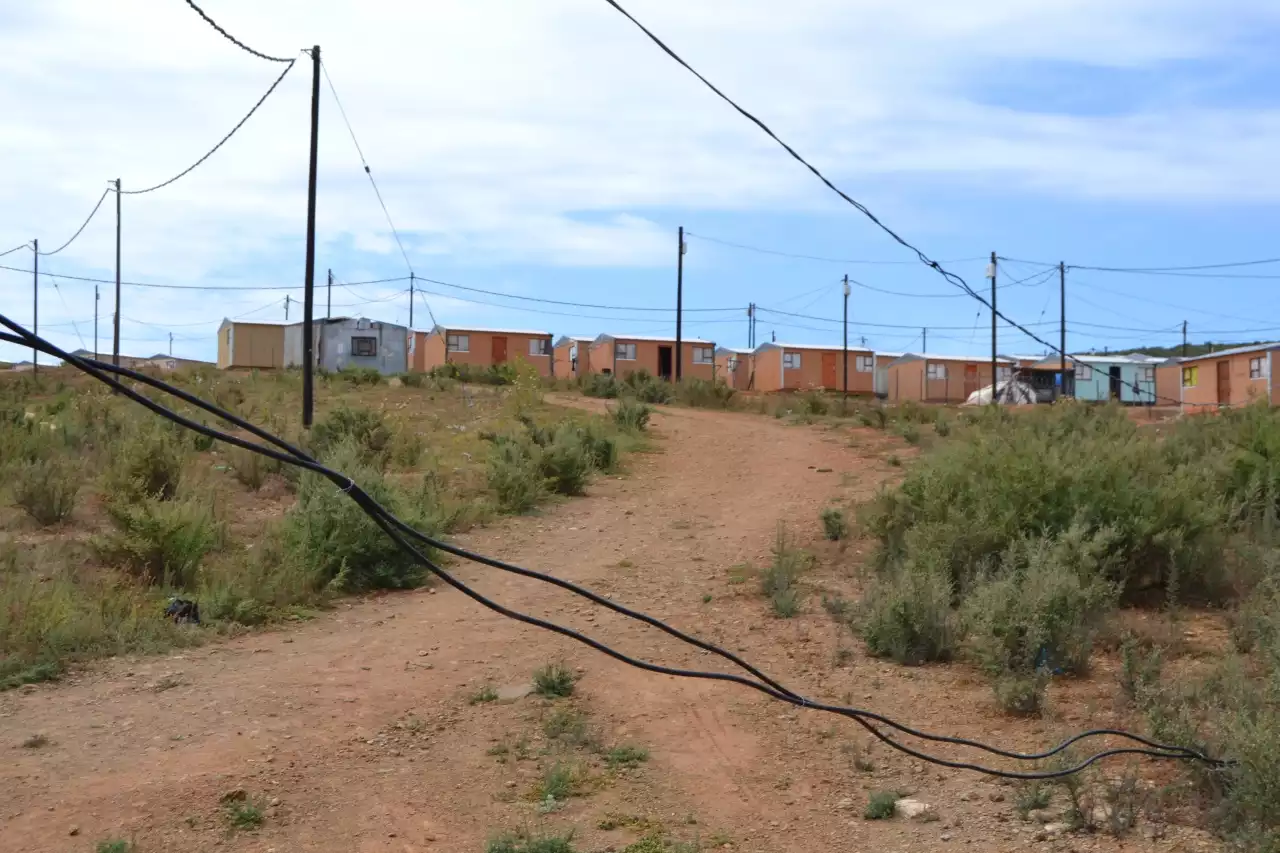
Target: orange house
(942, 378)
(795, 367)
(622, 355)
(1233, 377)
(570, 356)
(734, 367)
(479, 348)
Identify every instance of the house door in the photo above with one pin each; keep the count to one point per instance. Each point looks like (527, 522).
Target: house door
(1115, 381)
(499, 349)
(829, 371)
(970, 379)
(664, 363)
(1224, 383)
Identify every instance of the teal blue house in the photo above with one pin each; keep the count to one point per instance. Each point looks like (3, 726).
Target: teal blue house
(1131, 379)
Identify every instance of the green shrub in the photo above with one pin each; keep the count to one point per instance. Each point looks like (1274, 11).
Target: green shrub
(626, 756)
(146, 463)
(566, 462)
(494, 374)
(366, 428)
(407, 447)
(160, 542)
(114, 846)
(703, 393)
(907, 616)
(780, 580)
(342, 547)
(834, 525)
(942, 426)
(359, 376)
(603, 447)
(650, 390)
(910, 432)
(599, 385)
(515, 475)
(1140, 669)
(631, 414)
(46, 489)
(1021, 694)
(814, 402)
(524, 843)
(1042, 606)
(1042, 472)
(880, 805)
(413, 380)
(248, 467)
(554, 681)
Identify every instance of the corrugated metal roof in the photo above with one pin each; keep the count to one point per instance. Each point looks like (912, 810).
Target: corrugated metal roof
(486, 331)
(979, 359)
(1230, 352)
(570, 339)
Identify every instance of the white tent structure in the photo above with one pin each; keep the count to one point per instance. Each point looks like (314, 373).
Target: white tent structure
(1007, 393)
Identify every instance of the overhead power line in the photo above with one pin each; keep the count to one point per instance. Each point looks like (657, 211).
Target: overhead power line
(365, 164)
(211, 22)
(569, 304)
(555, 313)
(951, 277)
(764, 251)
(202, 287)
(79, 230)
(15, 249)
(224, 139)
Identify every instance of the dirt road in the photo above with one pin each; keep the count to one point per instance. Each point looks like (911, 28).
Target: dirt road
(355, 731)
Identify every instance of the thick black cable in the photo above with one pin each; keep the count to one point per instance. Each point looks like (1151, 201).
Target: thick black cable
(951, 277)
(387, 522)
(235, 40)
(224, 139)
(79, 230)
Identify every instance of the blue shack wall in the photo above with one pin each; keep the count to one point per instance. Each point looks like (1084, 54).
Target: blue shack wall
(1098, 387)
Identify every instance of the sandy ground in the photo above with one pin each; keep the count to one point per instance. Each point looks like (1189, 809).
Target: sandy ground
(354, 731)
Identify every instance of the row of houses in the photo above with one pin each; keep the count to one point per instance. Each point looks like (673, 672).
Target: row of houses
(1230, 377)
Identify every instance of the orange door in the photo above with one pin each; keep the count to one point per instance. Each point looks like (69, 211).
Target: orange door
(499, 349)
(829, 370)
(970, 379)
(1224, 383)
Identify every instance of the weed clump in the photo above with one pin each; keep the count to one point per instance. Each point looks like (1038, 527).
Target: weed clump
(554, 681)
(908, 617)
(160, 542)
(834, 524)
(524, 843)
(880, 805)
(365, 428)
(631, 415)
(704, 394)
(566, 462)
(780, 580)
(515, 475)
(45, 489)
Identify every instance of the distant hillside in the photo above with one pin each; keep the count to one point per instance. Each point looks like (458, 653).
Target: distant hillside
(1192, 349)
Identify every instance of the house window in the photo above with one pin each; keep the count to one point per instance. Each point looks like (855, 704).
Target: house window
(1003, 374)
(458, 343)
(539, 346)
(1190, 376)
(624, 352)
(936, 370)
(1255, 368)
(865, 363)
(791, 361)
(1084, 373)
(364, 347)
(731, 364)
(703, 355)
(1146, 374)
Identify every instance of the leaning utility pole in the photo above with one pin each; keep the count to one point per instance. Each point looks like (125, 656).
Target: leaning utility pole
(1062, 328)
(115, 318)
(35, 302)
(308, 303)
(679, 304)
(846, 341)
(995, 386)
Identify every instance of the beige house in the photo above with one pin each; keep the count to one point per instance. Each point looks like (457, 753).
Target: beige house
(250, 345)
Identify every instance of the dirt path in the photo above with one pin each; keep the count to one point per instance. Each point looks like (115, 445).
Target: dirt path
(355, 730)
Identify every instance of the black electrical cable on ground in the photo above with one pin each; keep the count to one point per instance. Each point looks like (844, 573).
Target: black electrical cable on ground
(222, 141)
(397, 530)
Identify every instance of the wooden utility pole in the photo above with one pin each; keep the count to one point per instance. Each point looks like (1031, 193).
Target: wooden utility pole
(1062, 328)
(1184, 338)
(679, 304)
(411, 299)
(846, 341)
(115, 318)
(924, 341)
(995, 386)
(35, 302)
(286, 307)
(309, 294)
(328, 308)
(96, 297)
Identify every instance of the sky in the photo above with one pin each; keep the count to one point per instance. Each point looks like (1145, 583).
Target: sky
(550, 151)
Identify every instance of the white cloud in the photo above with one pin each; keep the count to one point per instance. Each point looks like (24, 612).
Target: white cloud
(514, 132)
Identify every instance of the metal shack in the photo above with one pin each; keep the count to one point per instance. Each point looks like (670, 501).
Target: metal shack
(342, 342)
